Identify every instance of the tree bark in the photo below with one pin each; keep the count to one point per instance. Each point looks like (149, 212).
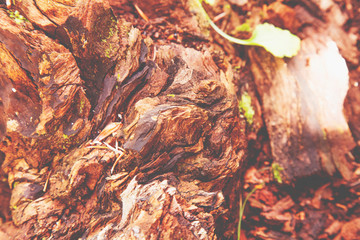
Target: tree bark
(109, 136)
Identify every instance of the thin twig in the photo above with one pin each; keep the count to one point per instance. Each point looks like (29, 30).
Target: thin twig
(47, 181)
(220, 16)
(141, 13)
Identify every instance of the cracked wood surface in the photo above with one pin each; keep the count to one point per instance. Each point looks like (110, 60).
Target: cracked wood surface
(67, 73)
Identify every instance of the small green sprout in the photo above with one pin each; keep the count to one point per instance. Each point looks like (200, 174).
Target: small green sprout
(15, 184)
(82, 106)
(246, 108)
(18, 18)
(279, 42)
(13, 207)
(276, 172)
(242, 206)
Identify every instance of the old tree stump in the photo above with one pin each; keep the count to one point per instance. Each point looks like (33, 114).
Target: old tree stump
(172, 136)
(109, 134)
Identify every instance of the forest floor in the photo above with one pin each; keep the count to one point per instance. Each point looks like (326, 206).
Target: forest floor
(311, 208)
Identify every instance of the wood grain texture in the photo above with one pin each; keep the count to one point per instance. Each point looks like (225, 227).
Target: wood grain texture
(181, 135)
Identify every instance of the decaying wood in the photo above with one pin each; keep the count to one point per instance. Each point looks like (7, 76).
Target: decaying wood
(303, 105)
(76, 72)
(107, 135)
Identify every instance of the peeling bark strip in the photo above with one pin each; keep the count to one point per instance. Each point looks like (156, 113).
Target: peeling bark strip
(303, 97)
(303, 108)
(64, 82)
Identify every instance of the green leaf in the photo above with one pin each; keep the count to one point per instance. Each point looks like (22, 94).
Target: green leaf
(245, 27)
(210, 2)
(281, 43)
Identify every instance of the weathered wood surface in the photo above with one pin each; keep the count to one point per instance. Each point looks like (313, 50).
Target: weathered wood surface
(303, 98)
(68, 73)
(110, 136)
